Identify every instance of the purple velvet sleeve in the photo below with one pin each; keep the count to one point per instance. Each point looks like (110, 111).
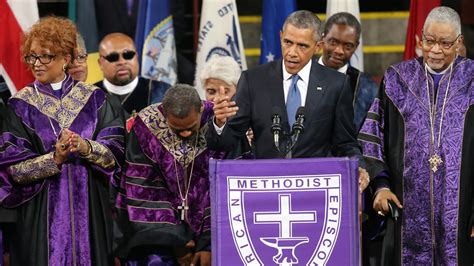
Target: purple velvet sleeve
(13, 150)
(111, 134)
(371, 134)
(112, 139)
(371, 137)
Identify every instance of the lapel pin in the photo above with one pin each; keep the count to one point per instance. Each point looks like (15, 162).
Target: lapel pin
(319, 88)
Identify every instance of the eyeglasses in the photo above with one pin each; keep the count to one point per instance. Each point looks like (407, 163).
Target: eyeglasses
(114, 56)
(81, 58)
(44, 58)
(430, 43)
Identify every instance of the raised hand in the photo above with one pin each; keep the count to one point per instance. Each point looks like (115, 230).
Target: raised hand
(223, 107)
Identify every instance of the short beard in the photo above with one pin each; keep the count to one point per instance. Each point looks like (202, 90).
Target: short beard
(123, 82)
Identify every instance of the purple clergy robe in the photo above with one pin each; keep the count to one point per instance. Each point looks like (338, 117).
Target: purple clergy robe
(437, 215)
(64, 218)
(149, 195)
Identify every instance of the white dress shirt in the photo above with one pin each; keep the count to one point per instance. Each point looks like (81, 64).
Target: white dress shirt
(302, 83)
(342, 70)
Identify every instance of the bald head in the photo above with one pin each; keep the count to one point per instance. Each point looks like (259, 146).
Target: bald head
(115, 37)
(115, 60)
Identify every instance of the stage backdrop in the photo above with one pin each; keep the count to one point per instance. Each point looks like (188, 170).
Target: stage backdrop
(284, 212)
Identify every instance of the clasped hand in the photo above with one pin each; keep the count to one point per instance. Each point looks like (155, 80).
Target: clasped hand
(69, 142)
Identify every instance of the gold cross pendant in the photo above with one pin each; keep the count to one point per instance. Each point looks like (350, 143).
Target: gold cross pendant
(435, 161)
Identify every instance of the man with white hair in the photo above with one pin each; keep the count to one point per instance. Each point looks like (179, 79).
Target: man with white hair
(418, 140)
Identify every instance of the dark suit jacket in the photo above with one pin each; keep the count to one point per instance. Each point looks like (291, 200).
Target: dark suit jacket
(329, 127)
(364, 90)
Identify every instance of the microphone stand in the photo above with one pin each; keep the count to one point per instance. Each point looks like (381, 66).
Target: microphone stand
(298, 129)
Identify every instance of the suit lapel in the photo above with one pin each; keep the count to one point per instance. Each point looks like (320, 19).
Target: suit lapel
(275, 83)
(316, 90)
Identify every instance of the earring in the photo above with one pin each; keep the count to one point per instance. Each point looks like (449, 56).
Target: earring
(64, 67)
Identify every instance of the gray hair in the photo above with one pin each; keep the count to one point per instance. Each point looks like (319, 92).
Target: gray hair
(444, 14)
(180, 99)
(304, 19)
(224, 68)
(343, 18)
(80, 42)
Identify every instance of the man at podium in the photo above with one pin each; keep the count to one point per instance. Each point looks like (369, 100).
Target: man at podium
(269, 95)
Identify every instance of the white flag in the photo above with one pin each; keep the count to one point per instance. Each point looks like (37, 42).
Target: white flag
(219, 33)
(350, 6)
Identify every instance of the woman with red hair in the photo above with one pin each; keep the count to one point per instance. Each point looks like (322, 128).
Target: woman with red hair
(62, 145)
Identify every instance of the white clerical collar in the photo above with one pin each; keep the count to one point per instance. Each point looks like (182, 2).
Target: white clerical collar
(303, 73)
(437, 73)
(342, 69)
(121, 90)
(57, 86)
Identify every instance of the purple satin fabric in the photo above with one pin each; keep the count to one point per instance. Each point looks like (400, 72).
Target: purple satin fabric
(374, 128)
(117, 148)
(68, 196)
(153, 260)
(412, 101)
(68, 220)
(17, 150)
(198, 197)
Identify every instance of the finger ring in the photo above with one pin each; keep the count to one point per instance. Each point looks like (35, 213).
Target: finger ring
(63, 146)
(77, 146)
(380, 213)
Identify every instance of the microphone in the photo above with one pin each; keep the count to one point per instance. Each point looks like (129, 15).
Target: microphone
(298, 126)
(276, 125)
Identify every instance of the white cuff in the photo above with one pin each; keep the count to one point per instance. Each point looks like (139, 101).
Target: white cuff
(218, 129)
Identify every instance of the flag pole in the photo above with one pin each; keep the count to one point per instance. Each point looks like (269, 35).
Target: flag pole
(196, 19)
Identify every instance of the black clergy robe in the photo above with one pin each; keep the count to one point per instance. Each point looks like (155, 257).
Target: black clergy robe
(65, 218)
(147, 92)
(149, 200)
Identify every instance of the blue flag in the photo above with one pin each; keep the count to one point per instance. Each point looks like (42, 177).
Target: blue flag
(274, 15)
(155, 41)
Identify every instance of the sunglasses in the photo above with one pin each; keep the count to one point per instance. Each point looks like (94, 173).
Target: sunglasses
(114, 56)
